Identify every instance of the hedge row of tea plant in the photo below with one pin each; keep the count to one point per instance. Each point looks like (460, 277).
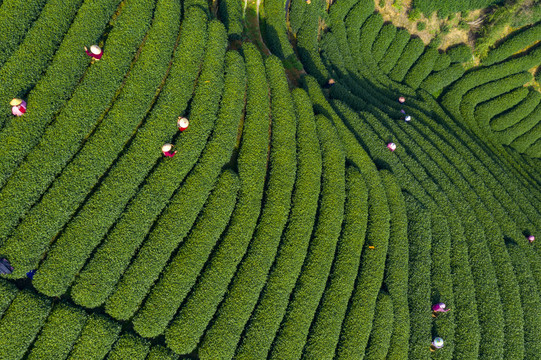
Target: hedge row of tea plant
(126, 175)
(99, 152)
(129, 347)
(26, 65)
(514, 115)
(231, 14)
(56, 86)
(383, 41)
(143, 211)
(16, 17)
(221, 339)
(216, 154)
(268, 314)
(515, 42)
(63, 139)
(190, 323)
(325, 329)
(312, 280)
(21, 322)
(379, 342)
(180, 275)
(274, 31)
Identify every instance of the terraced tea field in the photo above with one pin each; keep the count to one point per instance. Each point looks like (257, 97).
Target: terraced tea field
(299, 218)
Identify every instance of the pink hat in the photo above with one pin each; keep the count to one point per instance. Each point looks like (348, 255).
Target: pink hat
(401, 99)
(531, 238)
(391, 146)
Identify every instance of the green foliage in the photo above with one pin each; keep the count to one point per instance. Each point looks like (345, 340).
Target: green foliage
(181, 273)
(150, 321)
(123, 179)
(8, 291)
(189, 325)
(231, 14)
(443, 61)
(488, 110)
(421, 25)
(99, 152)
(445, 8)
(25, 66)
(63, 138)
(60, 332)
(161, 353)
(221, 339)
(531, 301)
(307, 46)
(56, 86)
(296, 14)
(459, 53)
(396, 269)
(96, 339)
(383, 41)
(129, 347)
(394, 51)
(422, 67)
(311, 283)
(414, 14)
(419, 283)
(442, 284)
(275, 30)
(21, 323)
(411, 53)
(325, 329)
(516, 41)
(271, 308)
(516, 114)
(16, 17)
(186, 203)
(439, 80)
(382, 328)
(529, 129)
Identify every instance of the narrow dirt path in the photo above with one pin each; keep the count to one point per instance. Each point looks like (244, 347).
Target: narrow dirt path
(251, 21)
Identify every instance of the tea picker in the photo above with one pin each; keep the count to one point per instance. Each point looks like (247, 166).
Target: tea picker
(95, 52)
(5, 267)
(437, 343)
(391, 146)
(167, 150)
(182, 123)
(18, 107)
(438, 308)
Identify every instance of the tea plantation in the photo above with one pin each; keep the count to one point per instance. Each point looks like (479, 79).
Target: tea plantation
(307, 213)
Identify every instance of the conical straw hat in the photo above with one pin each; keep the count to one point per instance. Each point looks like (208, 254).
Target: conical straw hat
(438, 341)
(15, 102)
(183, 122)
(95, 49)
(167, 147)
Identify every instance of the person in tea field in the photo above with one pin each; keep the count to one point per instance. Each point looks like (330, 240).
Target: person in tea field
(5, 267)
(182, 123)
(94, 52)
(391, 146)
(167, 150)
(407, 118)
(18, 107)
(401, 99)
(531, 238)
(437, 343)
(329, 83)
(438, 308)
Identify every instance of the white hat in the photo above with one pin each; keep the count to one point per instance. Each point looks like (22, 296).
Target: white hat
(183, 122)
(408, 118)
(167, 147)
(95, 49)
(15, 102)
(438, 342)
(391, 146)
